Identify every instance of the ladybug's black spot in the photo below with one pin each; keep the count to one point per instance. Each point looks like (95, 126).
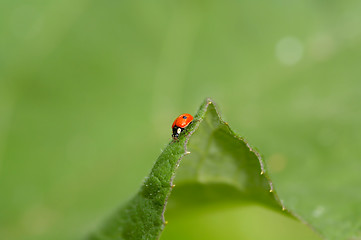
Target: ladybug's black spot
(184, 117)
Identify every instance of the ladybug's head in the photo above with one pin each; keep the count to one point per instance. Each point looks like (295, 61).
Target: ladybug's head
(176, 132)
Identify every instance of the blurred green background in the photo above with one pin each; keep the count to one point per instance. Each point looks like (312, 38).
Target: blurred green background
(89, 89)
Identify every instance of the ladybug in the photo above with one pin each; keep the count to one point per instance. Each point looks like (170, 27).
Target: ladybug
(180, 123)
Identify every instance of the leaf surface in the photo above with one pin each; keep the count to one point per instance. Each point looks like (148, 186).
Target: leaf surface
(209, 163)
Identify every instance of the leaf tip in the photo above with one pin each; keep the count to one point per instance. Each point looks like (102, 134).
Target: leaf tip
(209, 100)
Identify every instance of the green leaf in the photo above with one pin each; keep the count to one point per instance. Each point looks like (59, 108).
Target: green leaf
(209, 163)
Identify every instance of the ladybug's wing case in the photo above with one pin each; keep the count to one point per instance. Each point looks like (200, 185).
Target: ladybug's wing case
(174, 123)
(183, 120)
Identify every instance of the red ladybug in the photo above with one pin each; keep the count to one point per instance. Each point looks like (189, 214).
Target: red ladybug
(180, 123)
